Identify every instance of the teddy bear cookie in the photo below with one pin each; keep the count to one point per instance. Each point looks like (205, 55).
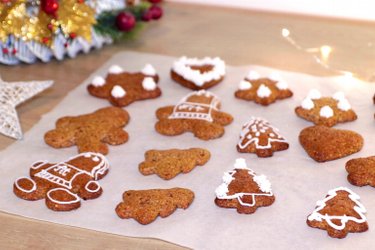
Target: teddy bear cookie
(146, 205)
(64, 184)
(259, 137)
(244, 190)
(198, 112)
(90, 132)
(263, 91)
(327, 111)
(361, 171)
(167, 164)
(197, 74)
(339, 213)
(326, 144)
(123, 88)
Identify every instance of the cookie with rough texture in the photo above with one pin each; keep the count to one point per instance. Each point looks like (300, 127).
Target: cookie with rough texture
(90, 132)
(259, 137)
(361, 171)
(64, 184)
(198, 74)
(123, 88)
(327, 111)
(146, 205)
(198, 113)
(264, 91)
(167, 164)
(339, 213)
(326, 144)
(244, 190)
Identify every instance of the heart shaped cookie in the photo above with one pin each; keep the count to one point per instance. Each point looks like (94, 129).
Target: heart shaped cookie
(197, 73)
(325, 144)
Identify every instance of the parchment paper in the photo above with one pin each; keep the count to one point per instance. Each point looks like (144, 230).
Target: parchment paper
(297, 181)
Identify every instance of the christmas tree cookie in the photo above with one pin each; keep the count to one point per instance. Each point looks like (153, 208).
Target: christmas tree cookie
(259, 137)
(244, 190)
(339, 213)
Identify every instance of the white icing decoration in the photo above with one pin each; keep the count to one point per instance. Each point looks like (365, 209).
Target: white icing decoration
(339, 96)
(194, 110)
(253, 75)
(182, 67)
(244, 85)
(263, 91)
(344, 105)
(307, 104)
(115, 69)
(98, 81)
(57, 173)
(282, 85)
(90, 190)
(326, 112)
(149, 70)
(26, 190)
(359, 208)
(274, 76)
(262, 182)
(77, 199)
(259, 123)
(149, 83)
(314, 94)
(118, 92)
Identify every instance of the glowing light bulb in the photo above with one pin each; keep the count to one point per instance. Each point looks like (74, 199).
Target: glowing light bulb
(325, 51)
(285, 32)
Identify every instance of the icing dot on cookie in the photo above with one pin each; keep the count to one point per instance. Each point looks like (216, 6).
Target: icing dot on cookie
(148, 83)
(271, 134)
(240, 163)
(282, 85)
(344, 105)
(244, 85)
(98, 81)
(115, 69)
(118, 92)
(314, 94)
(263, 91)
(326, 111)
(249, 136)
(274, 76)
(96, 159)
(257, 134)
(148, 70)
(338, 96)
(253, 75)
(307, 104)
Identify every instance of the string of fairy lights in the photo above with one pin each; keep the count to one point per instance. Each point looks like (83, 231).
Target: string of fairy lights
(320, 54)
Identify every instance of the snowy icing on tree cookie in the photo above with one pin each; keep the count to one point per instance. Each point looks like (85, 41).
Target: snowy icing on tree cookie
(327, 111)
(339, 213)
(258, 136)
(244, 190)
(264, 91)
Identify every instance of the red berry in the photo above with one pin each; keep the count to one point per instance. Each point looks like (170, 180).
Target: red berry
(5, 51)
(125, 21)
(50, 7)
(14, 51)
(156, 12)
(155, 1)
(146, 16)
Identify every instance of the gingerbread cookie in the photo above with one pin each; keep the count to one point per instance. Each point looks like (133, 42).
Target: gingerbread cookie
(198, 74)
(244, 190)
(122, 88)
(263, 90)
(258, 136)
(167, 164)
(90, 132)
(361, 171)
(326, 144)
(327, 111)
(64, 184)
(146, 205)
(339, 213)
(198, 112)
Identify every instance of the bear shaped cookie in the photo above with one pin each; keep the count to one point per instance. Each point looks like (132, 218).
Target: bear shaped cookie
(123, 88)
(64, 184)
(197, 74)
(198, 112)
(90, 132)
